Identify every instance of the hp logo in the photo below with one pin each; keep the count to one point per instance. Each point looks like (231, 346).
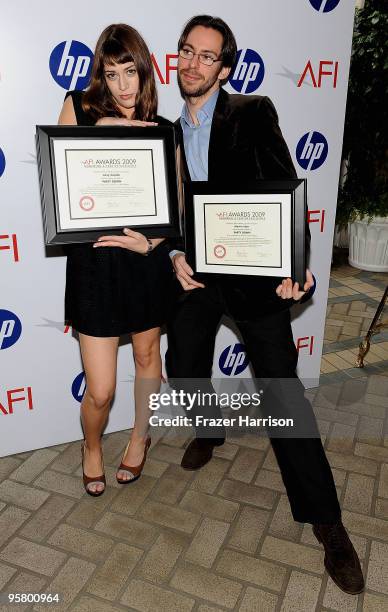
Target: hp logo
(78, 387)
(324, 6)
(2, 162)
(70, 64)
(312, 150)
(248, 72)
(233, 360)
(10, 329)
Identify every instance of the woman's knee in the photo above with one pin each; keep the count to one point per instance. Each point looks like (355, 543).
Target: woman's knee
(99, 398)
(147, 357)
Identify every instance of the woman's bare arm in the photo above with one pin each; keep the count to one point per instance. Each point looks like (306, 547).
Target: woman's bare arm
(67, 116)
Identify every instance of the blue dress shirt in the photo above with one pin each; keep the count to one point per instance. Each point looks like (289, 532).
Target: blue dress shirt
(196, 138)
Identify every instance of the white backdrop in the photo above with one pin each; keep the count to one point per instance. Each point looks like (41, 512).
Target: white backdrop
(303, 47)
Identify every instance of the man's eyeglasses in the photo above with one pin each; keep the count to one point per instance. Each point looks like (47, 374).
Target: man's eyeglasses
(204, 58)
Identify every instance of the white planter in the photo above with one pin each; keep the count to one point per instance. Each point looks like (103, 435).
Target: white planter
(368, 244)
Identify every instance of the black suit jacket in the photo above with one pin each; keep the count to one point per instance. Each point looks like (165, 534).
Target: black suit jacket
(246, 144)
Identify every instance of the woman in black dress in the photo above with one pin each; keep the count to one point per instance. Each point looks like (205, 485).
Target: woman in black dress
(120, 284)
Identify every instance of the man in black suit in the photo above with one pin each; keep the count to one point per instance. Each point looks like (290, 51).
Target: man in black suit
(237, 139)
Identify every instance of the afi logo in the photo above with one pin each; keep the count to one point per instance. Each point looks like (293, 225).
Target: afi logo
(21, 394)
(312, 150)
(78, 387)
(9, 242)
(170, 65)
(2, 162)
(10, 329)
(70, 64)
(324, 6)
(317, 216)
(248, 72)
(307, 342)
(233, 360)
(316, 78)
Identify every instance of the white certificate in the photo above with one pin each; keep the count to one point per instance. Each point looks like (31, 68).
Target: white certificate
(110, 183)
(244, 234)
(248, 234)
(100, 180)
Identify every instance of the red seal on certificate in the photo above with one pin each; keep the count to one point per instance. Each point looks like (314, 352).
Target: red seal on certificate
(219, 251)
(86, 203)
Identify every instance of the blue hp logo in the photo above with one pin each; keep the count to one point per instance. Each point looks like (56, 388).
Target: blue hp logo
(324, 6)
(2, 162)
(70, 64)
(10, 329)
(248, 72)
(233, 360)
(78, 387)
(312, 150)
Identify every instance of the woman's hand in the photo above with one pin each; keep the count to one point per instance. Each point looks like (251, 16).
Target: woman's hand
(133, 241)
(124, 121)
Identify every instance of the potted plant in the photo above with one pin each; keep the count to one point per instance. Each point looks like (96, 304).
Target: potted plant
(363, 192)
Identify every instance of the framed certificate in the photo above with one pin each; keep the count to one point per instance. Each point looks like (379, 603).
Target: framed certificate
(97, 180)
(255, 230)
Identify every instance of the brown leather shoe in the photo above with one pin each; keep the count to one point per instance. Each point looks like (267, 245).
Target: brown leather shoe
(134, 471)
(199, 452)
(89, 480)
(341, 559)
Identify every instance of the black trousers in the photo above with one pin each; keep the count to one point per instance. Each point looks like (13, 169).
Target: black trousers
(270, 347)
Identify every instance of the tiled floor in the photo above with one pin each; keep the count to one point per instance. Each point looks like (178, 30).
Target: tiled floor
(353, 299)
(222, 538)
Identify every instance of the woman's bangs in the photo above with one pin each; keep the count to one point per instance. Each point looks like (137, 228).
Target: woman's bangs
(114, 53)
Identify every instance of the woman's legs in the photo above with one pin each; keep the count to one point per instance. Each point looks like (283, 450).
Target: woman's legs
(148, 372)
(99, 356)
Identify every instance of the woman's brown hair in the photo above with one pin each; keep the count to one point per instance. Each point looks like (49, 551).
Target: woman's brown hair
(119, 44)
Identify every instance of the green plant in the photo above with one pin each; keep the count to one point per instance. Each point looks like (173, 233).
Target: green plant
(364, 189)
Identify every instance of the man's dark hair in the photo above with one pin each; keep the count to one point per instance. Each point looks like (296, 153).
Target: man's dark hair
(229, 45)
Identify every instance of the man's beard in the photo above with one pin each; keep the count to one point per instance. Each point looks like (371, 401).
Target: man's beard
(200, 91)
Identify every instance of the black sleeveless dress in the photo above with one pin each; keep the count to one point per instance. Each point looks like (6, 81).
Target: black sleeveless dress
(112, 291)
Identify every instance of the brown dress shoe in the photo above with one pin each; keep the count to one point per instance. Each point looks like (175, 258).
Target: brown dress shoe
(341, 559)
(199, 452)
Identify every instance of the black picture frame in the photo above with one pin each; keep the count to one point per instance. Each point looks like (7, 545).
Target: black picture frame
(194, 220)
(126, 137)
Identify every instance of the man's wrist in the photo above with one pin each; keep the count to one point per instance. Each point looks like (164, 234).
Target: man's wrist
(175, 252)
